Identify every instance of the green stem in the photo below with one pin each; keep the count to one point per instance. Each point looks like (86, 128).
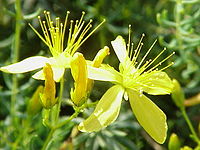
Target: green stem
(190, 126)
(178, 18)
(53, 129)
(59, 99)
(74, 115)
(16, 55)
(55, 119)
(50, 135)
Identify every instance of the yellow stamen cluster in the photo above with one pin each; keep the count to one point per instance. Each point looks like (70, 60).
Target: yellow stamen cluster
(54, 33)
(133, 70)
(133, 56)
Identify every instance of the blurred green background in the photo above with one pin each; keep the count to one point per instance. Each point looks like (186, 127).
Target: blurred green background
(176, 25)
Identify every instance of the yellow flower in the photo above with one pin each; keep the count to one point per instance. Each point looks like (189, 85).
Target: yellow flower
(131, 81)
(53, 37)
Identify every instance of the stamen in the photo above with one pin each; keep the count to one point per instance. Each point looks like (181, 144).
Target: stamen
(83, 14)
(172, 63)
(77, 44)
(146, 54)
(54, 33)
(91, 33)
(46, 17)
(162, 61)
(65, 24)
(38, 34)
(61, 36)
(44, 30)
(137, 50)
(129, 38)
(70, 31)
(157, 57)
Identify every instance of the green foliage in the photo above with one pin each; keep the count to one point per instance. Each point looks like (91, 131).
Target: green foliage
(177, 30)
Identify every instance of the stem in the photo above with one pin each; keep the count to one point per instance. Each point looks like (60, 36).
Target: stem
(190, 125)
(55, 120)
(46, 143)
(16, 56)
(53, 129)
(60, 98)
(178, 27)
(74, 115)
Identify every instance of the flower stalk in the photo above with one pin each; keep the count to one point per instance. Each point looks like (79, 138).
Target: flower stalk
(16, 55)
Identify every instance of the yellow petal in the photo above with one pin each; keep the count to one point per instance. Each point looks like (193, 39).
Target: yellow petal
(57, 74)
(106, 74)
(26, 65)
(119, 46)
(150, 117)
(156, 83)
(105, 112)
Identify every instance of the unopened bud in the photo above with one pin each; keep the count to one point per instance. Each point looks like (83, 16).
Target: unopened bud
(186, 148)
(79, 73)
(48, 99)
(177, 94)
(97, 63)
(174, 142)
(34, 105)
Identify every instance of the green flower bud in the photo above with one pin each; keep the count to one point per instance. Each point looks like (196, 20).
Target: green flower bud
(34, 105)
(186, 148)
(174, 142)
(177, 94)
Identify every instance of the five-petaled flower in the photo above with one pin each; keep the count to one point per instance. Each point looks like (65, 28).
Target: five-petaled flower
(131, 81)
(53, 37)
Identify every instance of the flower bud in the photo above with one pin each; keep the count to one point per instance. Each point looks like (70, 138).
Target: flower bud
(174, 142)
(79, 73)
(100, 56)
(186, 148)
(34, 105)
(177, 94)
(97, 63)
(48, 99)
